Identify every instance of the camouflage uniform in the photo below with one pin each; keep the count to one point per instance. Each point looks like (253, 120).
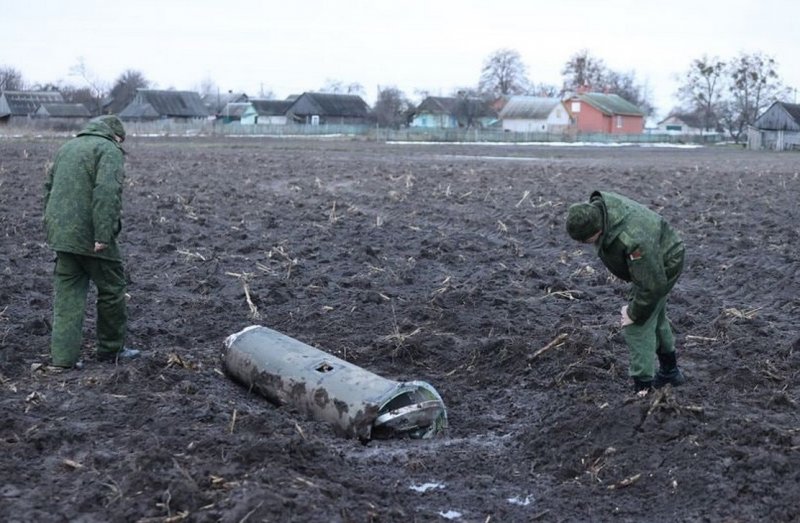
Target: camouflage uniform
(638, 246)
(83, 201)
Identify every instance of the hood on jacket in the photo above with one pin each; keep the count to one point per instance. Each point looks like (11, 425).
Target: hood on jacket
(107, 126)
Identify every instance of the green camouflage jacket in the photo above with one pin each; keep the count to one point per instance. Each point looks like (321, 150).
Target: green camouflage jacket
(83, 194)
(638, 246)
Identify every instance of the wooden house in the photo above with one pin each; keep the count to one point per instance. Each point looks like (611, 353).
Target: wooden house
(526, 114)
(21, 105)
(436, 112)
(777, 128)
(449, 112)
(328, 109)
(604, 113)
(151, 104)
(269, 112)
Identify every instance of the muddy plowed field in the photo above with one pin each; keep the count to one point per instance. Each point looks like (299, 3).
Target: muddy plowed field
(443, 263)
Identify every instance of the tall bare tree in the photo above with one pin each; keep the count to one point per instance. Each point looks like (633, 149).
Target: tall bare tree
(583, 70)
(703, 88)
(753, 85)
(10, 79)
(504, 73)
(97, 87)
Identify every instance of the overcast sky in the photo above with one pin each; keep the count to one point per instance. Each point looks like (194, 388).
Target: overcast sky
(288, 47)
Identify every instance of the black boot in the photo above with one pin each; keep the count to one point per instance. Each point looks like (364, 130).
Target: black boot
(668, 371)
(642, 384)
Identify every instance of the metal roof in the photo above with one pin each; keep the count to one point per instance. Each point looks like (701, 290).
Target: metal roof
(529, 107)
(453, 105)
(64, 110)
(792, 109)
(23, 103)
(438, 105)
(610, 104)
(327, 104)
(235, 109)
(271, 107)
(186, 104)
(694, 120)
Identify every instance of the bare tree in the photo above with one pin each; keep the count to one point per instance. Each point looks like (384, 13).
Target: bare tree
(703, 89)
(392, 108)
(754, 84)
(77, 95)
(207, 87)
(10, 79)
(124, 90)
(266, 93)
(546, 90)
(625, 86)
(504, 74)
(97, 87)
(339, 87)
(583, 70)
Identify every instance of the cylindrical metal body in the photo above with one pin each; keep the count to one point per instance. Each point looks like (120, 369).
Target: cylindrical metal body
(357, 402)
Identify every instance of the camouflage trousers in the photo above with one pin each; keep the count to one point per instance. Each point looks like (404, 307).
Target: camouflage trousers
(71, 285)
(654, 336)
(645, 340)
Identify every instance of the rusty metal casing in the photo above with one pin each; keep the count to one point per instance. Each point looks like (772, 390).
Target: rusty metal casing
(358, 403)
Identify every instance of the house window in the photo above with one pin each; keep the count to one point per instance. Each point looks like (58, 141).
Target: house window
(674, 128)
(576, 107)
(619, 122)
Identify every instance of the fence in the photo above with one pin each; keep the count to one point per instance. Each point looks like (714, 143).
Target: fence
(372, 133)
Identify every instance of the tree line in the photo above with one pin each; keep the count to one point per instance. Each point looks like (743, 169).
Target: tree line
(724, 94)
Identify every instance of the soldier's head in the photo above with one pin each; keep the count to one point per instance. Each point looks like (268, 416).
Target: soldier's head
(115, 124)
(584, 222)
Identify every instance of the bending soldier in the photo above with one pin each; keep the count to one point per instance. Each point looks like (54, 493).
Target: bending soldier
(637, 245)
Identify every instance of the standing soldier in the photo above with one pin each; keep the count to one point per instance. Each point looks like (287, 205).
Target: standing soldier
(637, 245)
(83, 203)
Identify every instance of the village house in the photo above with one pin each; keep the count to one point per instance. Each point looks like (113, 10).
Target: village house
(178, 106)
(777, 128)
(217, 102)
(328, 109)
(450, 112)
(681, 123)
(604, 113)
(233, 112)
(527, 114)
(266, 112)
(16, 106)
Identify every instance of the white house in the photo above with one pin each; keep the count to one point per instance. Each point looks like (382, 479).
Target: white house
(676, 123)
(534, 114)
(266, 112)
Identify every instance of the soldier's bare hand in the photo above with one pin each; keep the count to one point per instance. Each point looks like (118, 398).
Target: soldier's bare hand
(99, 246)
(625, 320)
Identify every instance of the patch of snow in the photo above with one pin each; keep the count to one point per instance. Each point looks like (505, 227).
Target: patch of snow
(425, 487)
(520, 501)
